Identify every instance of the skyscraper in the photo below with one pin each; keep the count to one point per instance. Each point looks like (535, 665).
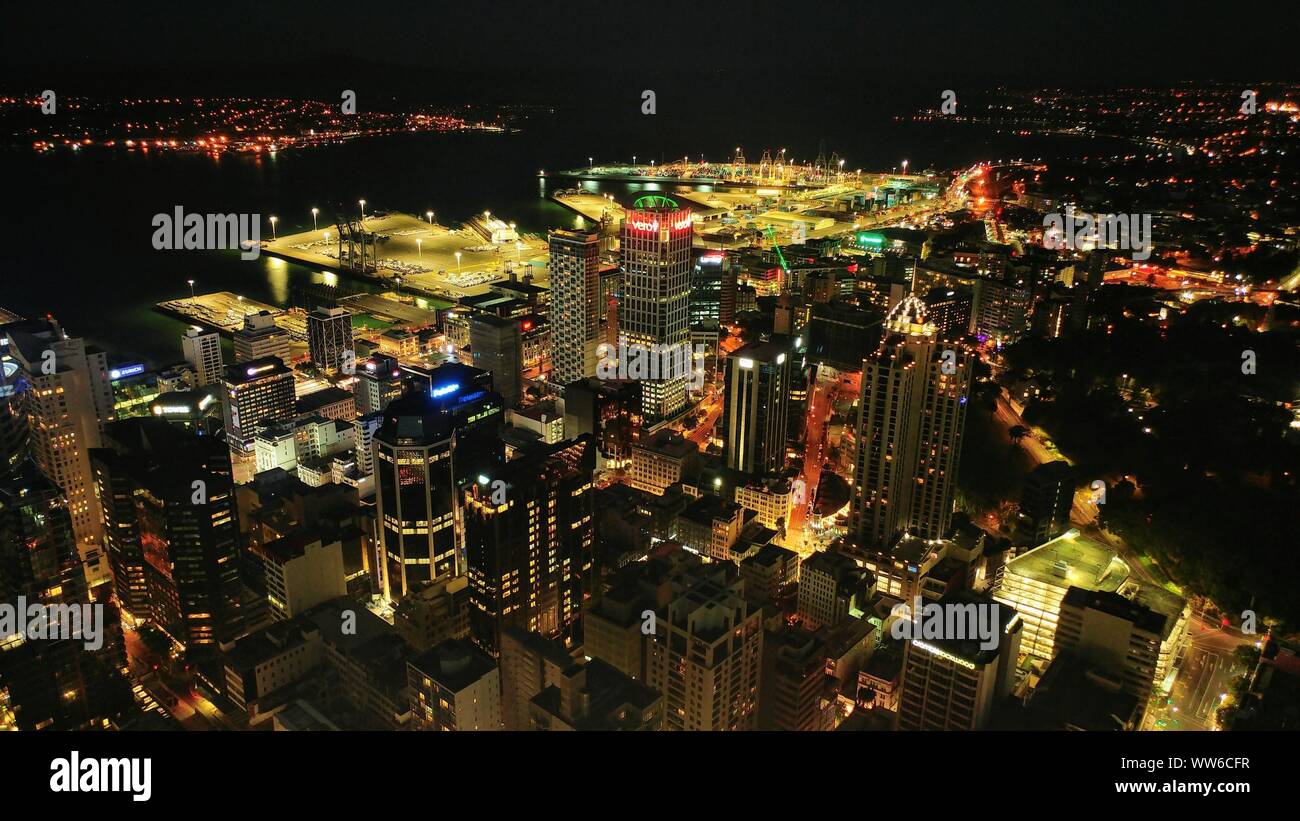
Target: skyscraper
(173, 537)
(379, 382)
(65, 394)
(497, 347)
(913, 409)
(755, 412)
(260, 337)
(528, 543)
(430, 445)
(203, 351)
(329, 334)
(257, 393)
(575, 304)
(656, 248)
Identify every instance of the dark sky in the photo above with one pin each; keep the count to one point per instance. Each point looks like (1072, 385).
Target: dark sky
(531, 46)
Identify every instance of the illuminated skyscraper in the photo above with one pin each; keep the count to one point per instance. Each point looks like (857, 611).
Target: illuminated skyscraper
(261, 337)
(329, 334)
(656, 247)
(203, 351)
(430, 445)
(575, 304)
(757, 397)
(910, 422)
(528, 543)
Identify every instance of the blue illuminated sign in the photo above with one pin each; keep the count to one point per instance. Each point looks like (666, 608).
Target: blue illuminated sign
(126, 370)
(443, 390)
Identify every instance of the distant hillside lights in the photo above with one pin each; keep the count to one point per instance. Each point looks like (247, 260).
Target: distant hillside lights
(1078, 231)
(208, 232)
(652, 362)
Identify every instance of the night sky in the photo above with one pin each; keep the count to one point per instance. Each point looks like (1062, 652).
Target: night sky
(534, 50)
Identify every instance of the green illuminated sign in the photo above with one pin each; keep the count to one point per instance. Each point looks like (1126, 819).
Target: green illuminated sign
(654, 201)
(870, 239)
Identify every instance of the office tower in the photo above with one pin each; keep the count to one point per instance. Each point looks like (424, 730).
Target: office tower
(838, 333)
(913, 409)
(379, 382)
(1002, 307)
(768, 572)
(302, 570)
(430, 445)
(711, 526)
(575, 304)
(954, 684)
(172, 531)
(1045, 503)
(707, 277)
(797, 693)
(329, 334)
(949, 310)
(257, 394)
(528, 543)
(454, 686)
(364, 429)
(654, 312)
(1134, 641)
(203, 352)
(756, 404)
(663, 460)
(65, 393)
(705, 655)
(832, 588)
(260, 337)
(53, 682)
(605, 410)
(497, 347)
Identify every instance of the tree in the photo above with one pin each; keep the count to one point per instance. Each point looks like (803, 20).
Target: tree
(1018, 434)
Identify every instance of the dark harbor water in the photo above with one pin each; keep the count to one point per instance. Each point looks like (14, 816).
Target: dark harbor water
(80, 223)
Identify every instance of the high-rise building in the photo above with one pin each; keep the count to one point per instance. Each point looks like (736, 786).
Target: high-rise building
(429, 447)
(756, 402)
(66, 396)
(13, 416)
(329, 334)
(705, 655)
(454, 686)
(497, 346)
(172, 526)
(707, 278)
(203, 352)
(832, 588)
(302, 570)
(257, 394)
(260, 337)
(654, 312)
(955, 683)
(913, 410)
(797, 693)
(528, 543)
(575, 304)
(1135, 641)
(364, 429)
(379, 382)
(1045, 503)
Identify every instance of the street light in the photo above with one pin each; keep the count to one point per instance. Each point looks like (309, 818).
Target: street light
(419, 251)
(273, 227)
(191, 282)
(429, 214)
(458, 262)
(363, 210)
(327, 236)
(904, 166)
(314, 212)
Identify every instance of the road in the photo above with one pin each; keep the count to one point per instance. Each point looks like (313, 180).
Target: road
(1206, 675)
